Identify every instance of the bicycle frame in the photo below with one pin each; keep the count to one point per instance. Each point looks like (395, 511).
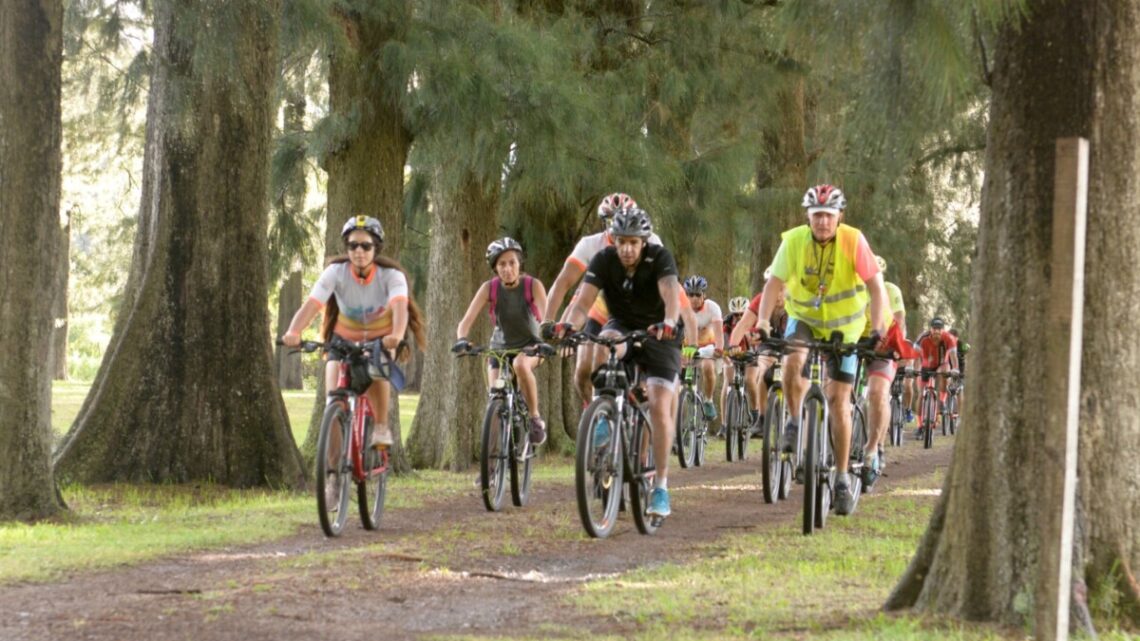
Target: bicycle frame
(360, 409)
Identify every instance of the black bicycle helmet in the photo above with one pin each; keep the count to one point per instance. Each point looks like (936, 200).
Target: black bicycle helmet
(497, 247)
(631, 222)
(365, 223)
(937, 323)
(696, 284)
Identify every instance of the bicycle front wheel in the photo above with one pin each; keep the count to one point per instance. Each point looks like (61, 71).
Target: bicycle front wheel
(643, 472)
(771, 465)
(952, 412)
(895, 430)
(370, 492)
(928, 405)
(333, 468)
(731, 422)
(598, 467)
(522, 456)
(493, 459)
(688, 411)
(743, 427)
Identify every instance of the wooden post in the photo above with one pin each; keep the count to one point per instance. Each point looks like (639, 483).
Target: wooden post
(1062, 386)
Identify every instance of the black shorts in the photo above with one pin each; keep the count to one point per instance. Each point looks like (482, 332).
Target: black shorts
(835, 366)
(592, 327)
(660, 359)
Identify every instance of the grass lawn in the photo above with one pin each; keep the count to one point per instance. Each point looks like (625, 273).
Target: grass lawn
(67, 400)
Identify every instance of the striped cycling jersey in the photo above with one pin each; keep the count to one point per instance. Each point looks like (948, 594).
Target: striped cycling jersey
(365, 303)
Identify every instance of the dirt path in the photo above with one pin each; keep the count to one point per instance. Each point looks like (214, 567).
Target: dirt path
(445, 568)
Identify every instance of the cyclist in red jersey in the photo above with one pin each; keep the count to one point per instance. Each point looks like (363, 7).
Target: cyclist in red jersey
(939, 354)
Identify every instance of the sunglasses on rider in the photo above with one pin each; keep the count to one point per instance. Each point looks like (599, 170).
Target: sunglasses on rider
(366, 246)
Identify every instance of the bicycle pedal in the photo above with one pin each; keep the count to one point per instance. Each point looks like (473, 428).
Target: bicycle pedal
(656, 520)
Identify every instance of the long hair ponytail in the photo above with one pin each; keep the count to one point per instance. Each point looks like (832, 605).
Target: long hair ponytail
(416, 323)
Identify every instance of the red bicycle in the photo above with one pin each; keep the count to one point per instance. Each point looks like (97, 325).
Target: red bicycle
(346, 428)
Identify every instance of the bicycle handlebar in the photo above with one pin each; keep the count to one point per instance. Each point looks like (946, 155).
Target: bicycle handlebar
(539, 349)
(635, 336)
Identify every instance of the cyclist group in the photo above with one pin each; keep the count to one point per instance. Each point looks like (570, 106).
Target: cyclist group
(824, 282)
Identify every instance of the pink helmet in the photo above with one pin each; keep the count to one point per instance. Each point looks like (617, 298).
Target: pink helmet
(614, 203)
(825, 198)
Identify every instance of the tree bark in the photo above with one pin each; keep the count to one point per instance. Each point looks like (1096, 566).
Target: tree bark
(186, 388)
(31, 52)
(447, 429)
(366, 170)
(291, 203)
(985, 562)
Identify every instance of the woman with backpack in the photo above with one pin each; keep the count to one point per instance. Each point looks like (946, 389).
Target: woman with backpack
(513, 299)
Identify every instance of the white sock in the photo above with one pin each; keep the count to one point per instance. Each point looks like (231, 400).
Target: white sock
(661, 484)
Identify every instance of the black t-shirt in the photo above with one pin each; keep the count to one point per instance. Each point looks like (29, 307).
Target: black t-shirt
(635, 302)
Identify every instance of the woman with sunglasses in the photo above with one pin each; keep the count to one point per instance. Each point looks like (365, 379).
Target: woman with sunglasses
(365, 297)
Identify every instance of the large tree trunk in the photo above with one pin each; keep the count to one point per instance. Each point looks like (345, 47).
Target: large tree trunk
(366, 171)
(186, 388)
(985, 565)
(60, 308)
(447, 429)
(31, 52)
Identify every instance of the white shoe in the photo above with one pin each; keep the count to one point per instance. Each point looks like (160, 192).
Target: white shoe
(381, 437)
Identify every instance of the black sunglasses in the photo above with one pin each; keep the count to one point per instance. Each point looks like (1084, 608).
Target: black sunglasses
(366, 246)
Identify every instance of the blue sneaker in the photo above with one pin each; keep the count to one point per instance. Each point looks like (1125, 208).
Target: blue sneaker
(870, 473)
(601, 433)
(790, 437)
(909, 416)
(659, 503)
(710, 410)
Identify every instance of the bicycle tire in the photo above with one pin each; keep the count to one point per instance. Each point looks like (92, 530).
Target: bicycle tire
(730, 424)
(522, 459)
(687, 427)
(825, 469)
(810, 420)
(333, 517)
(858, 451)
(371, 492)
(952, 410)
(895, 429)
(701, 446)
(743, 428)
(771, 464)
(494, 455)
(642, 473)
(928, 403)
(598, 469)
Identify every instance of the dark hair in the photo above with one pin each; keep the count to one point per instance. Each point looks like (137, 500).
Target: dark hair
(415, 316)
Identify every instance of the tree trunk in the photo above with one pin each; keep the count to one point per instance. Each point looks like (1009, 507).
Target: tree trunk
(447, 429)
(986, 564)
(186, 388)
(31, 52)
(59, 312)
(288, 366)
(366, 172)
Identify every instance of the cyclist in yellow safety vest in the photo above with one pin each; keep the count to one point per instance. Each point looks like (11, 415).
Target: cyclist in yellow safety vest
(880, 373)
(828, 272)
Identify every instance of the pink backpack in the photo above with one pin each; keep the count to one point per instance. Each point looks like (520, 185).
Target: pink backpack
(528, 292)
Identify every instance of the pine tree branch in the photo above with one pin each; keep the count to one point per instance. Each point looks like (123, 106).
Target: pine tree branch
(952, 150)
(987, 73)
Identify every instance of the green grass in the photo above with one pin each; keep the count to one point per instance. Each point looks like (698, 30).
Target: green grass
(68, 396)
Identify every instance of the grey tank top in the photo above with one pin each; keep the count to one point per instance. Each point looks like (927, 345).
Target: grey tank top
(516, 327)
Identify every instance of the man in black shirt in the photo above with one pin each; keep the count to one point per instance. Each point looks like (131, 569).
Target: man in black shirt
(642, 292)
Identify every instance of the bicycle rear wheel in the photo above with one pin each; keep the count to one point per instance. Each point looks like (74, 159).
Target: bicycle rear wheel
(496, 451)
(643, 471)
(522, 457)
(858, 451)
(700, 445)
(688, 411)
(370, 492)
(598, 467)
(333, 468)
(731, 443)
(771, 465)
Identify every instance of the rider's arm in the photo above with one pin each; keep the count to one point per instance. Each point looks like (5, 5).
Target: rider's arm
(878, 303)
(399, 307)
(539, 295)
(768, 302)
(743, 326)
(718, 332)
(301, 320)
(473, 310)
(576, 313)
(571, 272)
